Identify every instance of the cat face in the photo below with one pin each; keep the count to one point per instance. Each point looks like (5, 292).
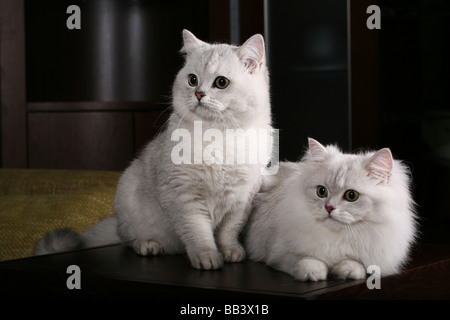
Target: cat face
(220, 82)
(337, 198)
(344, 189)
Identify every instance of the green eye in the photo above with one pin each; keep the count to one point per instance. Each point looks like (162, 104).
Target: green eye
(192, 80)
(351, 195)
(322, 192)
(221, 82)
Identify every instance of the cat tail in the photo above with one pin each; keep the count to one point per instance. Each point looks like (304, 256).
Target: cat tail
(63, 240)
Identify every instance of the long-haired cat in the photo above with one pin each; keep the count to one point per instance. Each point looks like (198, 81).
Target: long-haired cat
(334, 213)
(171, 200)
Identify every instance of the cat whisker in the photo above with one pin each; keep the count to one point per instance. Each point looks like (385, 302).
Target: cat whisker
(181, 118)
(366, 227)
(369, 225)
(232, 119)
(163, 126)
(228, 119)
(354, 234)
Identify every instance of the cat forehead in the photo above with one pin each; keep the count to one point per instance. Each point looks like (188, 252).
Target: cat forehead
(214, 58)
(339, 176)
(343, 172)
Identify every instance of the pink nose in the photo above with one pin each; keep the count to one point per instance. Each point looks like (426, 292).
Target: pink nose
(329, 208)
(199, 95)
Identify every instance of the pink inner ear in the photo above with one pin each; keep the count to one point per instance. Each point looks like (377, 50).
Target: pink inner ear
(380, 166)
(318, 151)
(252, 52)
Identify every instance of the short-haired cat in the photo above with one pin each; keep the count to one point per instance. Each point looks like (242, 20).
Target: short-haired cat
(199, 208)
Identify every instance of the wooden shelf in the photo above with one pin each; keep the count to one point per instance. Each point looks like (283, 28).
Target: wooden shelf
(117, 272)
(74, 106)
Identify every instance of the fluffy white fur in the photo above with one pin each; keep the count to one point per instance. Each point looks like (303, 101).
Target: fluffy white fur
(292, 230)
(200, 209)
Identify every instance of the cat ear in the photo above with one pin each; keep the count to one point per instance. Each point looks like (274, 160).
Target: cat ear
(252, 52)
(379, 166)
(190, 42)
(317, 151)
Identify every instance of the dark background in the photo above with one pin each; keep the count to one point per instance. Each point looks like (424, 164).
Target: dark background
(91, 98)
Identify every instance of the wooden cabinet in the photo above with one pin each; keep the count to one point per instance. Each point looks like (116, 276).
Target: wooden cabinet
(90, 135)
(13, 124)
(90, 98)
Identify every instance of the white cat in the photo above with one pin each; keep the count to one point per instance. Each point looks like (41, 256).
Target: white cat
(194, 207)
(334, 213)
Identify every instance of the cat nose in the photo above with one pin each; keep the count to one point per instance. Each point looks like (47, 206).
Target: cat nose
(329, 208)
(199, 95)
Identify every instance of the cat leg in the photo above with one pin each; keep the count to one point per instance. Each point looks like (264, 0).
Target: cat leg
(195, 231)
(310, 269)
(227, 237)
(349, 269)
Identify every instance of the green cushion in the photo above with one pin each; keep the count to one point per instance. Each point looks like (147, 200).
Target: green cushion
(34, 202)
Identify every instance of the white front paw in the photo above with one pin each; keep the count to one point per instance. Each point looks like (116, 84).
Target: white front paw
(234, 253)
(349, 269)
(147, 247)
(310, 269)
(207, 260)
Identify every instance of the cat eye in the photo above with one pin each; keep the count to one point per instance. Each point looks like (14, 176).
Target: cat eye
(351, 195)
(321, 191)
(221, 82)
(192, 80)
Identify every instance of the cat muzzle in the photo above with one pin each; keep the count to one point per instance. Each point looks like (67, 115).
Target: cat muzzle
(199, 95)
(329, 208)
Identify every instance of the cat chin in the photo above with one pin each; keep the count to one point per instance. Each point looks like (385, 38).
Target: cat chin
(205, 113)
(202, 112)
(197, 113)
(335, 224)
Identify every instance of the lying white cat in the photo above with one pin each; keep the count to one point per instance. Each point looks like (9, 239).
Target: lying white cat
(334, 213)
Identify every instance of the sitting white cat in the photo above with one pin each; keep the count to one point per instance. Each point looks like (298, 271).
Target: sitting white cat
(164, 205)
(334, 213)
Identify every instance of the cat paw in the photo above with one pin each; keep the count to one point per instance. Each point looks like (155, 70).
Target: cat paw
(234, 253)
(310, 269)
(349, 269)
(147, 247)
(207, 260)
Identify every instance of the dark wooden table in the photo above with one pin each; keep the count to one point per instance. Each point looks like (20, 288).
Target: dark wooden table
(117, 272)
